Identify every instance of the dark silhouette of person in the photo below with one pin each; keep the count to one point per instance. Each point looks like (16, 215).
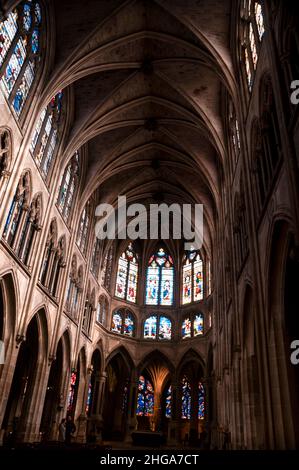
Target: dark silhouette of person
(70, 428)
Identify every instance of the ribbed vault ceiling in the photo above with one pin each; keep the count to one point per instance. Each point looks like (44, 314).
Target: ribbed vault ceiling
(147, 79)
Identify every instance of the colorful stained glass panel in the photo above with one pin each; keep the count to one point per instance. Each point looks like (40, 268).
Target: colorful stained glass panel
(121, 280)
(8, 29)
(166, 295)
(150, 327)
(198, 325)
(152, 285)
(129, 325)
(186, 328)
(132, 282)
(187, 283)
(198, 279)
(164, 328)
(186, 399)
(201, 401)
(116, 323)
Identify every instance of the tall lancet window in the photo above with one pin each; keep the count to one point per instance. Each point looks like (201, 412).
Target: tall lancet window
(159, 279)
(84, 226)
(127, 275)
(46, 135)
(254, 28)
(192, 277)
(20, 52)
(68, 185)
(145, 398)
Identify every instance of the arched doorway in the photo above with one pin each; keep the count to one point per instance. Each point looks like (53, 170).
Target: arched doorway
(154, 399)
(53, 402)
(21, 391)
(192, 398)
(93, 409)
(115, 411)
(282, 426)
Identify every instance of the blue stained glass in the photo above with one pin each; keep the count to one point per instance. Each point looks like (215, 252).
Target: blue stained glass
(72, 391)
(201, 401)
(12, 207)
(152, 285)
(116, 323)
(159, 279)
(166, 296)
(186, 328)
(186, 399)
(165, 328)
(23, 90)
(128, 325)
(150, 327)
(88, 401)
(13, 67)
(27, 19)
(8, 29)
(37, 13)
(168, 403)
(35, 41)
(145, 398)
(198, 325)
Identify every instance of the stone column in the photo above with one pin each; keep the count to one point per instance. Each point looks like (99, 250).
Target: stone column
(132, 405)
(82, 419)
(100, 383)
(175, 421)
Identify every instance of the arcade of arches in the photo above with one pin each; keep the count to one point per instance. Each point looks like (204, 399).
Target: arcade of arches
(167, 101)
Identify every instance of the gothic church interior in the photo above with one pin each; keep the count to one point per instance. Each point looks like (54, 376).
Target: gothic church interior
(161, 101)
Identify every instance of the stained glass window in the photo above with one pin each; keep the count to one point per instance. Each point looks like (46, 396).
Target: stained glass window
(19, 52)
(159, 279)
(186, 398)
(150, 327)
(72, 391)
(192, 277)
(95, 257)
(198, 325)
(107, 268)
(254, 30)
(168, 403)
(145, 398)
(102, 310)
(186, 328)
(157, 328)
(127, 275)
(252, 46)
(15, 218)
(192, 326)
(123, 322)
(164, 328)
(89, 395)
(259, 19)
(83, 229)
(68, 184)
(45, 136)
(201, 401)
(128, 325)
(116, 322)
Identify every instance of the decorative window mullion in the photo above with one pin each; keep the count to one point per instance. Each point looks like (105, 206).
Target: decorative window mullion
(18, 232)
(19, 79)
(41, 133)
(51, 261)
(26, 230)
(45, 158)
(9, 54)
